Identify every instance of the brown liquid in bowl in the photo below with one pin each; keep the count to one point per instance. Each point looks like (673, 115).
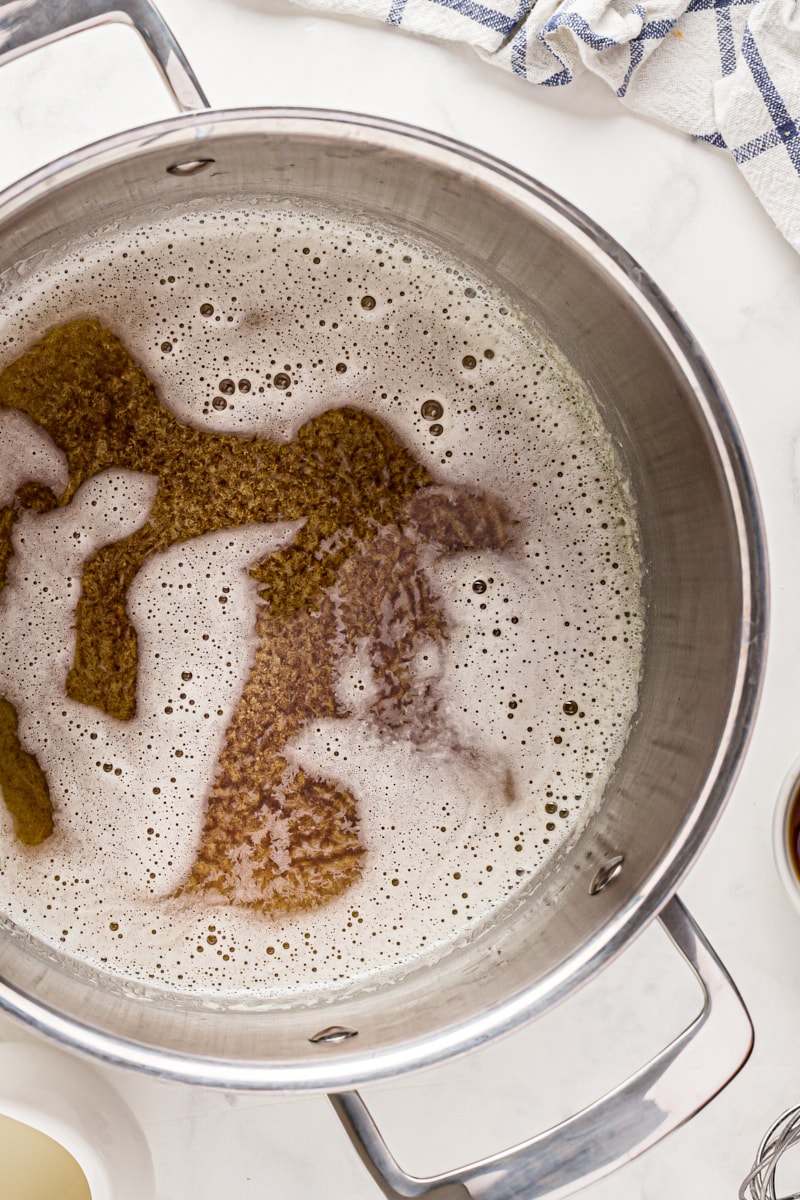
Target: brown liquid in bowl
(793, 829)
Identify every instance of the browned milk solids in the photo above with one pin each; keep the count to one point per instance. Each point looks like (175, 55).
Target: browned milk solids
(275, 837)
(409, 726)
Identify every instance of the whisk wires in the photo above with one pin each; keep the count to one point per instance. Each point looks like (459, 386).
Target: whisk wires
(760, 1182)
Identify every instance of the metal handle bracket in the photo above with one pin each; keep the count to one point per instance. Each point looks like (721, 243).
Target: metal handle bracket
(28, 24)
(662, 1095)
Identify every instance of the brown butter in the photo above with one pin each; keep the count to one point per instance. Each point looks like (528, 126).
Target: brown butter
(274, 838)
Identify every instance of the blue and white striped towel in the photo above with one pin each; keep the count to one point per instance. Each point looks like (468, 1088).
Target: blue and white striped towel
(725, 71)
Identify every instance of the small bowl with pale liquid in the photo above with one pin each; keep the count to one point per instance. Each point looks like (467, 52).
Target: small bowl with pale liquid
(65, 1134)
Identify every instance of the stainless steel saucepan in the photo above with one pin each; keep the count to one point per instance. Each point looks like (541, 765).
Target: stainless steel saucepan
(704, 558)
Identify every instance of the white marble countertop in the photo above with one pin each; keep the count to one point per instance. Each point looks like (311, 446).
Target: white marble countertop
(687, 215)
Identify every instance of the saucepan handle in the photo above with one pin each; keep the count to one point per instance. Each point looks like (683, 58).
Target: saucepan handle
(28, 24)
(672, 1087)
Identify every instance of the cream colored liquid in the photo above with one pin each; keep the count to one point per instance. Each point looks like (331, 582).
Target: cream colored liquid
(538, 676)
(35, 1167)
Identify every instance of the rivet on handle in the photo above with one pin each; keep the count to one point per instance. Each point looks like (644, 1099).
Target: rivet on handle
(334, 1034)
(193, 167)
(606, 874)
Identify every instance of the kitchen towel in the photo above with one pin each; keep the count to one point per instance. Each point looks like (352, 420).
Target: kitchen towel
(725, 71)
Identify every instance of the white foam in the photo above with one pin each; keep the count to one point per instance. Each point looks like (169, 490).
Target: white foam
(26, 452)
(453, 820)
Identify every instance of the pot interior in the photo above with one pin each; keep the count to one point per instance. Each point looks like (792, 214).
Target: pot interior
(701, 587)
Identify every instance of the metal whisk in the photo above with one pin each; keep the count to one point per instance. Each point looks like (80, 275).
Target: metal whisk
(760, 1182)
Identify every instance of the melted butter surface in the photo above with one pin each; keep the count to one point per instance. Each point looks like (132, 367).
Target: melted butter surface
(274, 837)
(469, 734)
